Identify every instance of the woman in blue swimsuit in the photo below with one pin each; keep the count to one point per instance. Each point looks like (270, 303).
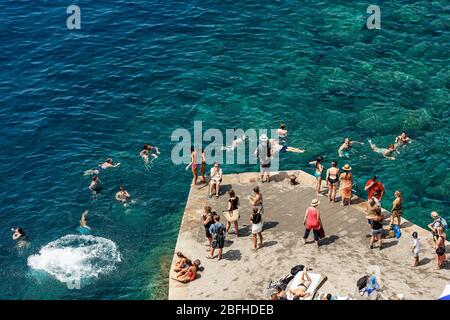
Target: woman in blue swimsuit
(318, 172)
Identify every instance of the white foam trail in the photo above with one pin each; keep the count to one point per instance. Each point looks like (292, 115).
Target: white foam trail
(74, 259)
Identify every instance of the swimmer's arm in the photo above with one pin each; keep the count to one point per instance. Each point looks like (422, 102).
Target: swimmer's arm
(187, 167)
(358, 142)
(312, 163)
(156, 149)
(340, 151)
(116, 165)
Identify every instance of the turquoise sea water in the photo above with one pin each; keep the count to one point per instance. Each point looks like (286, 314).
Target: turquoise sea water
(138, 70)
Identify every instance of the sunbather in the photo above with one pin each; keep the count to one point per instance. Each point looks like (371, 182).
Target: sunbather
(300, 291)
(181, 263)
(189, 274)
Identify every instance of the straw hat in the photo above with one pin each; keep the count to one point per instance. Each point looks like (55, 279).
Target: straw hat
(263, 138)
(347, 167)
(434, 214)
(315, 203)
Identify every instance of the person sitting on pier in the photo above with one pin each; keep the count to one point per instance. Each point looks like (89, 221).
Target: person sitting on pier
(189, 274)
(181, 263)
(216, 179)
(300, 291)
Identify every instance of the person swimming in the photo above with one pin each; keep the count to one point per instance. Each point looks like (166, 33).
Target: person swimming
(235, 143)
(145, 152)
(19, 236)
(281, 146)
(387, 153)
(84, 228)
(95, 185)
(282, 133)
(122, 195)
(346, 146)
(402, 140)
(276, 147)
(101, 167)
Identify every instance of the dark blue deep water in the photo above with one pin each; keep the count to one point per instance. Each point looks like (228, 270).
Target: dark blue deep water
(137, 70)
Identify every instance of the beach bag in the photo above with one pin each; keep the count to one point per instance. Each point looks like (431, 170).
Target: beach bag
(362, 282)
(297, 269)
(232, 215)
(397, 232)
(321, 233)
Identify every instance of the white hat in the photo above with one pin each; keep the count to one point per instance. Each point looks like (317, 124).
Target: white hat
(263, 138)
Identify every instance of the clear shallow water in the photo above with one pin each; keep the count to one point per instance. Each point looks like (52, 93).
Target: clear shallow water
(137, 71)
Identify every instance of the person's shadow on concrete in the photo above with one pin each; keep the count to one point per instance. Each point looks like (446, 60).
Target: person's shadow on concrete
(232, 255)
(328, 240)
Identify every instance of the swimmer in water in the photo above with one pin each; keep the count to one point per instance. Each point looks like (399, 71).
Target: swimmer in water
(402, 140)
(282, 146)
(146, 151)
(346, 147)
(235, 143)
(83, 220)
(276, 147)
(387, 153)
(122, 195)
(19, 236)
(95, 186)
(105, 165)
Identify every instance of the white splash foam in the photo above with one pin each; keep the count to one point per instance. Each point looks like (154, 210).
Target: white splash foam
(76, 259)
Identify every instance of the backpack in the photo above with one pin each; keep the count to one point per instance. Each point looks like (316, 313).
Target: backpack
(269, 150)
(444, 223)
(362, 282)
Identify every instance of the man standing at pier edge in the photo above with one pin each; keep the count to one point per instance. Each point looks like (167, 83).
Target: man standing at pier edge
(263, 153)
(375, 189)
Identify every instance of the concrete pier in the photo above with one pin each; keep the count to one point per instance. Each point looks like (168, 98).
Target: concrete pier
(343, 258)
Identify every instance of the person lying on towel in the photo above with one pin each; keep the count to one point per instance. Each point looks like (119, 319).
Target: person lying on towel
(305, 282)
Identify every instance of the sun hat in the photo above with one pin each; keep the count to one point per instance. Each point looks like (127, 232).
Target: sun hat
(434, 214)
(263, 138)
(347, 167)
(315, 203)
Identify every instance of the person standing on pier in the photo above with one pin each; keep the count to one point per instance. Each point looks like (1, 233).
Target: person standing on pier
(232, 212)
(375, 189)
(332, 179)
(312, 221)
(194, 165)
(346, 185)
(218, 232)
(318, 172)
(440, 250)
(397, 209)
(257, 226)
(257, 200)
(208, 221)
(264, 153)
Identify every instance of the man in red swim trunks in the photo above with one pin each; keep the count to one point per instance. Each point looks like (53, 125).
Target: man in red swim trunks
(375, 189)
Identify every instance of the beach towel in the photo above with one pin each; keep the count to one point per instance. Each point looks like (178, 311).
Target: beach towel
(317, 281)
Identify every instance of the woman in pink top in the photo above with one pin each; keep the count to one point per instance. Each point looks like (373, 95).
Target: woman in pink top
(312, 221)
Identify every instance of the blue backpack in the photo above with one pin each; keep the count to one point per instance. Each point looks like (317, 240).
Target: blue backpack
(397, 232)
